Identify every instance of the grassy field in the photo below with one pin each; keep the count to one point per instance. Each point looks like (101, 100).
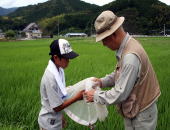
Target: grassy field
(22, 64)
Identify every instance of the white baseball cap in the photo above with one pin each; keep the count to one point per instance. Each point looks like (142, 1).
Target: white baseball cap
(62, 48)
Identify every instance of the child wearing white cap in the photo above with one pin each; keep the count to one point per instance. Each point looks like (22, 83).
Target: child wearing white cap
(53, 87)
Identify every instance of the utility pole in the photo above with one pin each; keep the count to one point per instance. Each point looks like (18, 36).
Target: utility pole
(164, 30)
(91, 28)
(58, 27)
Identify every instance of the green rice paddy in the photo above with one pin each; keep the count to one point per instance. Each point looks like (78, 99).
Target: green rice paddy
(22, 64)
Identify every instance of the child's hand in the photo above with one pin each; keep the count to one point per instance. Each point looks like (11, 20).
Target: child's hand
(79, 95)
(89, 95)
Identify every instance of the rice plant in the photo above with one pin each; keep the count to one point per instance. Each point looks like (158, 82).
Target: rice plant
(22, 64)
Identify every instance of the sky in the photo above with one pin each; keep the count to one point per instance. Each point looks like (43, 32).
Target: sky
(19, 3)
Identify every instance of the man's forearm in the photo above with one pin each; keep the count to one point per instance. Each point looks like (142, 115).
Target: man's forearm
(108, 80)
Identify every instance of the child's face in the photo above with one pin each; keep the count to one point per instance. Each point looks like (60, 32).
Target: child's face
(63, 62)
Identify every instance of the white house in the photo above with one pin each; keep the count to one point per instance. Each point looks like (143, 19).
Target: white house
(2, 35)
(32, 31)
(75, 35)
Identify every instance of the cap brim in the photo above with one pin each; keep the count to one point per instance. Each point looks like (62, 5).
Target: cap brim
(112, 29)
(70, 55)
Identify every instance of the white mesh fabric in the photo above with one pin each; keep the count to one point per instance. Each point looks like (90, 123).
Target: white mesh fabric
(82, 112)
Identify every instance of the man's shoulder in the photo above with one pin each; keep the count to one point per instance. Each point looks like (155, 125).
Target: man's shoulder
(132, 39)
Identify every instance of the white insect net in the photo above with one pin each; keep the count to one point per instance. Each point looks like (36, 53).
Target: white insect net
(82, 112)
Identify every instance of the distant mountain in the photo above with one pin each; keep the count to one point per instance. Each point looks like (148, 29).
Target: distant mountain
(51, 8)
(61, 16)
(141, 16)
(4, 11)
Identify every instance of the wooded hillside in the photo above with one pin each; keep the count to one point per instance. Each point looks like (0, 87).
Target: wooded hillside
(53, 16)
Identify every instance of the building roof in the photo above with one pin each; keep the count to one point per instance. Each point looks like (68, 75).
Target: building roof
(75, 34)
(30, 27)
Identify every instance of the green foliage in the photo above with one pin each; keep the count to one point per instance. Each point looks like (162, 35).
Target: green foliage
(72, 22)
(142, 16)
(60, 16)
(161, 15)
(10, 34)
(131, 22)
(23, 34)
(73, 30)
(49, 25)
(7, 23)
(51, 8)
(22, 65)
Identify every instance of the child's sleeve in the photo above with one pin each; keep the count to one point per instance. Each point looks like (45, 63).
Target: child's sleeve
(54, 98)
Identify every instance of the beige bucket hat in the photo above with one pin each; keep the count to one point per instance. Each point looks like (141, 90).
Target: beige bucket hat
(106, 24)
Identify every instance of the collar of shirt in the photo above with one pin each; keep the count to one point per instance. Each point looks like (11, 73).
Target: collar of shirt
(122, 45)
(59, 77)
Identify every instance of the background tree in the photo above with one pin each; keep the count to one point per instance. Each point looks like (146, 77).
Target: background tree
(10, 34)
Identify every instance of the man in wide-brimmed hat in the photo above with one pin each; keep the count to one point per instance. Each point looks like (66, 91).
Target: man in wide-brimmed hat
(135, 88)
